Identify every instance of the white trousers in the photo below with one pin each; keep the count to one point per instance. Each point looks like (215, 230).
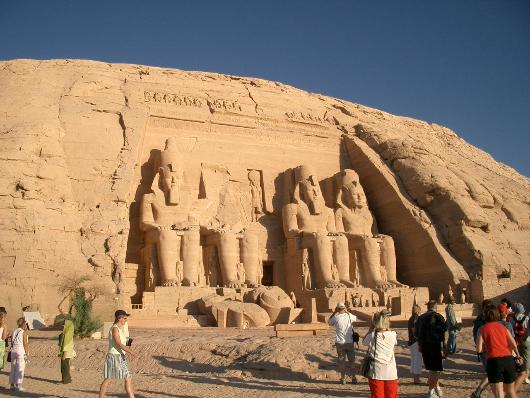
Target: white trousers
(18, 365)
(416, 360)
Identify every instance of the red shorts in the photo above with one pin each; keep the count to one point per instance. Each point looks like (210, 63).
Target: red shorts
(383, 388)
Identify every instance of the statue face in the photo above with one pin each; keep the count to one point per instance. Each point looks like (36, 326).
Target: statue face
(312, 196)
(354, 196)
(171, 177)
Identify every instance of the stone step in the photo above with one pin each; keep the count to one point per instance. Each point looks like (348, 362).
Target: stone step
(169, 321)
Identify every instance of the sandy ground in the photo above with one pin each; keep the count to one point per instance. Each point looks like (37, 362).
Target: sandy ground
(212, 362)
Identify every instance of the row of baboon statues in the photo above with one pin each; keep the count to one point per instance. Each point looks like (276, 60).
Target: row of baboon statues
(325, 247)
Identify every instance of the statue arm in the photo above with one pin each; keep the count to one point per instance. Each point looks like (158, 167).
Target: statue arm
(290, 220)
(147, 221)
(339, 223)
(375, 230)
(330, 225)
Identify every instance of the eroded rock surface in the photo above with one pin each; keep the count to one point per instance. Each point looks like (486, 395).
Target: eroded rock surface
(78, 139)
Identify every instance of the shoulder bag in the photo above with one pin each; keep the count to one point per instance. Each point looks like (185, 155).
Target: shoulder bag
(368, 364)
(8, 359)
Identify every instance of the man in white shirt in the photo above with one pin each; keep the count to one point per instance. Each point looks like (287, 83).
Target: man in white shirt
(343, 322)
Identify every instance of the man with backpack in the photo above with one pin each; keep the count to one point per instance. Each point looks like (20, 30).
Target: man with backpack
(345, 340)
(522, 337)
(430, 331)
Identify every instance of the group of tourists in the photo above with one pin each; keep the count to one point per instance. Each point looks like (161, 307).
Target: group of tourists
(502, 343)
(14, 348)
(503, 346)
(501, 335)
(17, 352)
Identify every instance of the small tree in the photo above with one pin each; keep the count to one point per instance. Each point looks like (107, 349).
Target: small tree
(80, 291)
(84, 325)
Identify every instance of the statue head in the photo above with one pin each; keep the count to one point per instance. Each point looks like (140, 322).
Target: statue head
(308, 190)
(254, 177)
(351, 193)
(171, 172)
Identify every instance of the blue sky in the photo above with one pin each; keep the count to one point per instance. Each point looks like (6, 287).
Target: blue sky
(462, 64)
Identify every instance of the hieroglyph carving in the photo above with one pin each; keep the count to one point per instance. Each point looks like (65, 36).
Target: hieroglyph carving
(172, 99)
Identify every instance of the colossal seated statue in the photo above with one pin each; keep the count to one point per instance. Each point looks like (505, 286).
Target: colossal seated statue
(310, 225)
(167, 224)
(375, 253)
(236, 244)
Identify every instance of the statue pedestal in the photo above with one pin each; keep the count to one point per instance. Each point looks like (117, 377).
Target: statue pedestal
(399, 299)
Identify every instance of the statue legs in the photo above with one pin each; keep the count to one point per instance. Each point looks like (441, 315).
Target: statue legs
(370, 261)
(342, 260)
(191, 252)
(250, 258)
(388, 256)
(168, 254)
(228, 250)
(321, 248)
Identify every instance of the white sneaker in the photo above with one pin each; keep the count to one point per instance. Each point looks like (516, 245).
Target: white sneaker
(527, 380)
(431, 393)
(20, 388)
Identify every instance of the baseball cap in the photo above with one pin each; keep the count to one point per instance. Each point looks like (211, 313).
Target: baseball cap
(341, 305)
(503, 308)
(519, 308)
(119, 313)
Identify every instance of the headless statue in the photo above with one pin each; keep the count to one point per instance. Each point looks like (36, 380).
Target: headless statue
(309, 224)
(375, 252)
(228, 232)
(164, 217)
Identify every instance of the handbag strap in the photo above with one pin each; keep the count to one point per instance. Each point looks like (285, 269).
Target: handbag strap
(374, 344)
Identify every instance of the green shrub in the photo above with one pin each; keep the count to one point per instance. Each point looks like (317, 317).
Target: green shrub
(84, 325)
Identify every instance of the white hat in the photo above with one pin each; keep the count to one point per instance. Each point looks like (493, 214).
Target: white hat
(341, 305)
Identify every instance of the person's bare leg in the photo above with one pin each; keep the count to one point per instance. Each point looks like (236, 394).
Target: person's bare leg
(483, 384)
(520, 380)
(497, 389)
(433, 380)
(509, 390)
(129, 387)
(103, 388)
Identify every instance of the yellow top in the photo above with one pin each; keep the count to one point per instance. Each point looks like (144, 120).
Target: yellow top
(113, 347)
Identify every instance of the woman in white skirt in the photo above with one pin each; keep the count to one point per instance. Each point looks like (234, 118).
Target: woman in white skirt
(416, 360)
(115, 361)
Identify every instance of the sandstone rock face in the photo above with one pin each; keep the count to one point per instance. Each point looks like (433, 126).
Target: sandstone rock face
(78, 139)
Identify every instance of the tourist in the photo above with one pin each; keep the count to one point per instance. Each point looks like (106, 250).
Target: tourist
(510, 306)
(384, 383)
(503, 312)
(522, 338)
(19, 354)
(66, 350)
(115, 366)
(452, 326)
(4, 333)
(344, 340)
(499, 344)
(430, 332)
(477, 324)
(416, 361)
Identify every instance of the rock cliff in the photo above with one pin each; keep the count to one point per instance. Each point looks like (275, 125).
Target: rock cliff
(76, 139)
